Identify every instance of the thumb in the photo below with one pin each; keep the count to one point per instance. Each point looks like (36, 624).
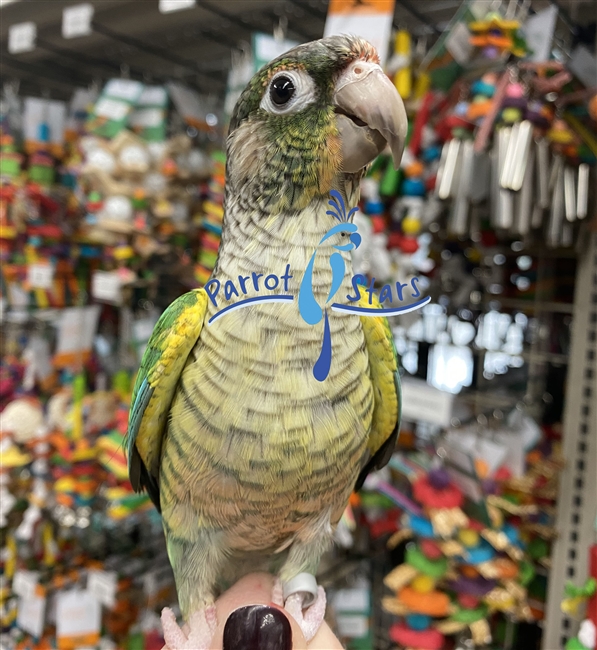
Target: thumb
(248, 620)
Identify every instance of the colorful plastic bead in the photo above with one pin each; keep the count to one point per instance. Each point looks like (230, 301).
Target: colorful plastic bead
(423, 584)
(409, 638)
(432, 568)
(418, 622)
(411, 225)
(430, 549)
(468, 537)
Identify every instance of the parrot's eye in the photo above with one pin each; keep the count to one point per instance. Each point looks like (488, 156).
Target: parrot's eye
(289, 91)
(281, 90)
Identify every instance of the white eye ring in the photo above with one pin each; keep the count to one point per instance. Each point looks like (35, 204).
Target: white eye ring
(304, 93)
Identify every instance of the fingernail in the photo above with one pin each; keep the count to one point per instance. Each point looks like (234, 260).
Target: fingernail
(257, 627)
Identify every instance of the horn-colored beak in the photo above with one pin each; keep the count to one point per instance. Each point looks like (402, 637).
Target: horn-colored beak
(370, 115)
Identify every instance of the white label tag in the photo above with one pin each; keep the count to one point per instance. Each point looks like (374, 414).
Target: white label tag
(113, 109)
(76, 21)
(19, 299)
(166, 6)
(21, 37)
(538, 31)
(351, 600)
(77, 328)
(374, 27)
(105, 286)
(423, 403)
(40, 276)
(460, 465)
(147, 118)
(78, 614)
(458, 43)
(153, 96)
(102, 584)
(24, 583)
(30, 614)
(584, 65)
(143, 329)
(126, 89)
(353, 627)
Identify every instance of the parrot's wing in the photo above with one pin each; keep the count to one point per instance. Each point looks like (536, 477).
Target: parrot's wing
(383, 369)
(171, 342)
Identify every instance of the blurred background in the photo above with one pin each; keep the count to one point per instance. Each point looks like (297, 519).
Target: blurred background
(481, 531)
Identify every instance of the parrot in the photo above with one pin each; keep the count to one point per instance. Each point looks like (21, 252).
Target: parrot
(248, 457)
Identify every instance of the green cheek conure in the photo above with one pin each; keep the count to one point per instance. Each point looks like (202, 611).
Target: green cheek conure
(249, 457)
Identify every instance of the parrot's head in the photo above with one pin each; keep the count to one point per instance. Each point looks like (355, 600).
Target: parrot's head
(343, 236)
(310, 121)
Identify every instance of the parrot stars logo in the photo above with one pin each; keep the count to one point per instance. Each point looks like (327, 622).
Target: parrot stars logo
(310, 310)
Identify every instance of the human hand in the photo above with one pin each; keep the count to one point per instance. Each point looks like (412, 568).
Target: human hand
(248, 620)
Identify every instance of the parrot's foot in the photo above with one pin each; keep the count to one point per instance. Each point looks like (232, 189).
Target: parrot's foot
(195, 635)
(311, 619)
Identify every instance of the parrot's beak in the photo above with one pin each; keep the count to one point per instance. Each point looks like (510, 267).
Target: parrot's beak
(370, 116)
(355, 238)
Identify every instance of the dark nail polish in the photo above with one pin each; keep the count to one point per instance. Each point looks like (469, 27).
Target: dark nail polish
(257, 627)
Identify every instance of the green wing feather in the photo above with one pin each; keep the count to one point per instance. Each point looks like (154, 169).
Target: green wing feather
(383, 368)
(171, 342)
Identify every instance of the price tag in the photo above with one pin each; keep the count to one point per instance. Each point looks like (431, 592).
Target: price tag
(147, 118)
(30, 614)
(538, 31)
(78, 619)
(153, 96)
(102, 584)
(18, 298)
(143, 329)
(21, 37)
(353, 627)
(24, 583)
(584, 65)
(105, 286)
(77, 328)
(351, 600)
(458, 43)
(113, 109)
(167, 6)
(125, 89)
(76, 21)
(372, 20)
(40, 276)
(423, 403)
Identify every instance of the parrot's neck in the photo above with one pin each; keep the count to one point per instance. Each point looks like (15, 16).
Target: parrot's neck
(257, 243)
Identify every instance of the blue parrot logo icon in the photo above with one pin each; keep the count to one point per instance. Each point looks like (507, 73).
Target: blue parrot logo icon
(309, 309)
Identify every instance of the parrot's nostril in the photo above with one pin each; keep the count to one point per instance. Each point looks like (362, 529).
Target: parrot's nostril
(358, 70)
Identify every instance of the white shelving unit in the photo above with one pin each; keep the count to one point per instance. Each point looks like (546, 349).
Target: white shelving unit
(577, 500)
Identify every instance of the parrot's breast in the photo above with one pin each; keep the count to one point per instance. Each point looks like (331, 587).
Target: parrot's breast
(256, 444)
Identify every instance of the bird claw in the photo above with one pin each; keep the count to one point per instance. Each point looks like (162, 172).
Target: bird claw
(310, 621)
(197, 634)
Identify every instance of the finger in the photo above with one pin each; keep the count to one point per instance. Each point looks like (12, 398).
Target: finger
(254, 589)
(325, 639)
